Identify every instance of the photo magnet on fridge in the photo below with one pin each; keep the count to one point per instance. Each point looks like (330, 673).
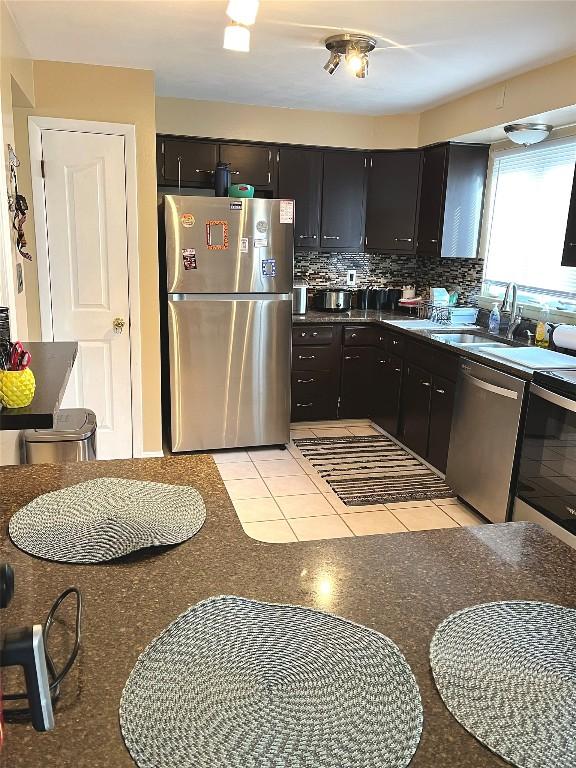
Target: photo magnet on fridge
(189, 258)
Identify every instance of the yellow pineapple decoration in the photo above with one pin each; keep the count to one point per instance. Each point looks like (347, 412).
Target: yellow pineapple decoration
(17, 388)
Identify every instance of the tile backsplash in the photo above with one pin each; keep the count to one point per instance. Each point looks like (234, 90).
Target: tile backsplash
(329, 269)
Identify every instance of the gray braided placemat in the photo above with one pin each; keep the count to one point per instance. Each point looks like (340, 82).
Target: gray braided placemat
(102, 519)
(507, 672)
(235, 683)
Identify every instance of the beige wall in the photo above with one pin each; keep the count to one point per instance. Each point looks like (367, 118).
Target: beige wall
(541, 90)
(16, 90)
(223, 120)
(111, 94)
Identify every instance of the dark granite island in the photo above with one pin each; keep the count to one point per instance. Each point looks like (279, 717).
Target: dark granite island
(401, 584)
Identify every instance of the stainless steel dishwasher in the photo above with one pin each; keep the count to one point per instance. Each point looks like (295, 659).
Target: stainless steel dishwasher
(484, 437)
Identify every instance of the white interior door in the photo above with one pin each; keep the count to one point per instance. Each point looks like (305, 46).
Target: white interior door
(85, 199)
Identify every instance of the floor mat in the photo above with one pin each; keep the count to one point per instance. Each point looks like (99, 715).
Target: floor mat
(372, 470)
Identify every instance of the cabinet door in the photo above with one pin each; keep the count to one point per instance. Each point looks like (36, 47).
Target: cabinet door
(392, 201)
(387, 390)
(300, 179)
(190, 162)
(357, 382)
(569, 253)
(249, 164)
(416, 390)
(343, 201)
(432, 199)
(441, 407)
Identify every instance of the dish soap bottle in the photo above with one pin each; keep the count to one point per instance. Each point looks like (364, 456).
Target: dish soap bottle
(543, 328)
(494, 321)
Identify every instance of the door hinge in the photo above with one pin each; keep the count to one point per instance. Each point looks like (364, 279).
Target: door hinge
(42, 169)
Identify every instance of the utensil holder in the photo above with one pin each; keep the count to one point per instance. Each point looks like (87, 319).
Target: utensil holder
(17, 388)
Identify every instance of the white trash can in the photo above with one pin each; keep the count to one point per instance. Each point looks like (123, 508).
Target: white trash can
(73, 438)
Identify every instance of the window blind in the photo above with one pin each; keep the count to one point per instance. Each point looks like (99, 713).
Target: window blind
(528, 211)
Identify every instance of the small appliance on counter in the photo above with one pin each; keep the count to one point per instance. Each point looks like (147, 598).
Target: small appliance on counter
(300, 299)
(333, 299)
(546, 490)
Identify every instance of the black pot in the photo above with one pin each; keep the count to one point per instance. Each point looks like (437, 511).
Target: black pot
(362, 295)
(378, 298)
(394, 296)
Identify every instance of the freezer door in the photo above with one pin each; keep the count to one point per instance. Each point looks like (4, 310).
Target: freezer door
(229, 371)
(226, 245)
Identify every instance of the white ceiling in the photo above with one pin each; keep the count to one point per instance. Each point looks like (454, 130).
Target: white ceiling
(429, 51)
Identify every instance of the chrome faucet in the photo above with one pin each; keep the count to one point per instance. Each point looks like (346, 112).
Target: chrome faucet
(511, 306)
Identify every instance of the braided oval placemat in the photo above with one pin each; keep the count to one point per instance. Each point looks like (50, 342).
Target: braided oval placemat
(102, 519)
(507, 672)
(235, 683)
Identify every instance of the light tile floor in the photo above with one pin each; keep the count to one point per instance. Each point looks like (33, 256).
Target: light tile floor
(279, 496)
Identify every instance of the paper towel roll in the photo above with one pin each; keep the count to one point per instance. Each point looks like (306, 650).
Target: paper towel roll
(565, 336)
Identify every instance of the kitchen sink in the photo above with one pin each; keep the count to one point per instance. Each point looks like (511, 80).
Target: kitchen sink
(467, 338)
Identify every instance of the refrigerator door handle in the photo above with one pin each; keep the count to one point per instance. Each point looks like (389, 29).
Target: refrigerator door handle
(230, 296)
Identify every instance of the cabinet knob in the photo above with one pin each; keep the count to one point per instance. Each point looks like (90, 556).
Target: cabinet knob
(425, 383)
(402, 239)
(395, 341)
(303, 334)
(307, 237)
(398, 370)
(331, 237)
(353, 335)
(304, 405)
(306, 357)
(315, 333)
(351, 357)
(382, 362)
(201, 170)
(433, 241)
(440, 391)
(305, 381)
(572, 245)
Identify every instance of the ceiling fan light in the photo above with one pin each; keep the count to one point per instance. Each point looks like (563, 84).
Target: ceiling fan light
(237, 38)
(243, 11)
(527, 133)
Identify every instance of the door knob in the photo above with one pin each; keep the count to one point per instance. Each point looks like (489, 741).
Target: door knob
(118, 324)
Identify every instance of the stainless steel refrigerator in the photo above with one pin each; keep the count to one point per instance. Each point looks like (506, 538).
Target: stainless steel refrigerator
(229, 265)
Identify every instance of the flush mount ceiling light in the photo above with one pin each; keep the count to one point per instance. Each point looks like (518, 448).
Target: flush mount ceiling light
(527, 133)
(353, 48)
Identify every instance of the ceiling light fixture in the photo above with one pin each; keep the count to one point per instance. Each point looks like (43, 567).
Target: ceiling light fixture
(354, 49)
(527, 133)
(243, 11)
(237, 38)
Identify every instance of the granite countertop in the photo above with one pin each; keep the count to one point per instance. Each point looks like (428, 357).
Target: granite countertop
(401, 584)
(387, 319)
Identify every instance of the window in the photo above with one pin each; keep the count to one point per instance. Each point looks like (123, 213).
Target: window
(528, 204)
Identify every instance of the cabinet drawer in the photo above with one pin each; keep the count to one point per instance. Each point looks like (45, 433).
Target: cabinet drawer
(313, 359)
(311, 383)
(360, 335)
(312, 334)
(314, 408)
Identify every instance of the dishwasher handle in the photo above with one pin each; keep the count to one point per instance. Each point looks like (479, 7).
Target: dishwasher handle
(496, 390)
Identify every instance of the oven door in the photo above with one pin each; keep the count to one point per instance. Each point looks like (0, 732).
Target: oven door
(547, 474)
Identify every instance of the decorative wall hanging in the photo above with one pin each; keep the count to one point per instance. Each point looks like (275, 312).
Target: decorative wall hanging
(18, 206)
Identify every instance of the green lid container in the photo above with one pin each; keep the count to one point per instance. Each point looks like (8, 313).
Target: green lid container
(240, 190)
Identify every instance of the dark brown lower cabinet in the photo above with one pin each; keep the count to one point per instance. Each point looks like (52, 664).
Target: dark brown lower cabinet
(357, 382)
(416, 393)
(314, 395)
(441, 407)
(387, 391)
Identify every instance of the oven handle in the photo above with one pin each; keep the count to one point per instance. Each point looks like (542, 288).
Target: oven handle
(552, 397)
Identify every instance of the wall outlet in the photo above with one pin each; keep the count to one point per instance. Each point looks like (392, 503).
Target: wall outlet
(351, 277)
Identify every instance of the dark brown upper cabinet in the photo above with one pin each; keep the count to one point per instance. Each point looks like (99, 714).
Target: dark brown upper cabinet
(392, 201)
(188, 163)
(452, 199)
(569, 253)
(343, 201)
(300, 179)
(250, 164)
